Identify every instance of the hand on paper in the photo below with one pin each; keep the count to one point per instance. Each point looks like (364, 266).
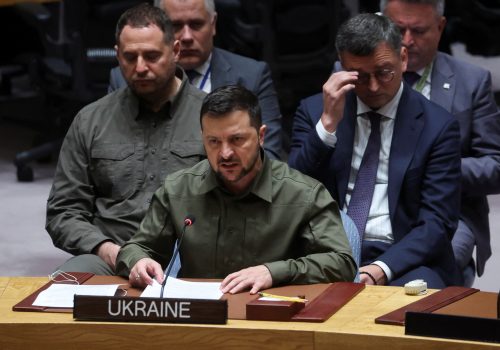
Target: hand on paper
(144, 271)
(255, 277)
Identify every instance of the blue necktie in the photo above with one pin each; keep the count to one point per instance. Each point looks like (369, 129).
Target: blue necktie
(362, 193)
(411, 77)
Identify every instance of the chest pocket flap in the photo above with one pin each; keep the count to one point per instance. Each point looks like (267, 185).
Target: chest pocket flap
(187, 149)
(113, 151)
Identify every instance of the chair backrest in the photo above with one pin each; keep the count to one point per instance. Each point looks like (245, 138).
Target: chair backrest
(354, 240)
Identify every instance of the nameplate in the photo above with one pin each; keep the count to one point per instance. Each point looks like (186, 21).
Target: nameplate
(426, 324)
(135, 309)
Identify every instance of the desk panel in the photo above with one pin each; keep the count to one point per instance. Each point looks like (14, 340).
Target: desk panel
(352, 327)
(52, 331)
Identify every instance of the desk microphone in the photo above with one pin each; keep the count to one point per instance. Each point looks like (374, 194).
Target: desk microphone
(188, 221)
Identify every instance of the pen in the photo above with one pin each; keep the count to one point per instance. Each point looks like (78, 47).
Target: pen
(281, 297)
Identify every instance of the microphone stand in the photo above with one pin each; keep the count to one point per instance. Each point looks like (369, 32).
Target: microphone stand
(172, 260)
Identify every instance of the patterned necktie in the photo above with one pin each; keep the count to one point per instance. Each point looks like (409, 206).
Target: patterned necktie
(191, 74)
(362, 193)
(411, 77)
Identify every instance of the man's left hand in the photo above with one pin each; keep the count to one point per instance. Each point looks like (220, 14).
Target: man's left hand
(255, 277)
(374, 270)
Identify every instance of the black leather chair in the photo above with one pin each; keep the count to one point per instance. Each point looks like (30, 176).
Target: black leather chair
(78, 41)
(476, 23)
(295, 37)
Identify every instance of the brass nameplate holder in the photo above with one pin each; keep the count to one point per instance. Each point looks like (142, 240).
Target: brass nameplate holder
(135, 309)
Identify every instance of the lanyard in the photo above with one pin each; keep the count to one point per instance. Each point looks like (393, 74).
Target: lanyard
(423, 79)
(205, 77)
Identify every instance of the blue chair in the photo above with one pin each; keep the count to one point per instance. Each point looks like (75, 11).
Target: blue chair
(353, 236)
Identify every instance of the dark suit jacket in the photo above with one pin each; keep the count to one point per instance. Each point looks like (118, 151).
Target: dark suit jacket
(424, 177)
(229, 68)
(465, 91)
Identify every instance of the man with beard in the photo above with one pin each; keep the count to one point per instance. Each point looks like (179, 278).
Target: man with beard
(258, 222)
(210, 67)
(119, 148)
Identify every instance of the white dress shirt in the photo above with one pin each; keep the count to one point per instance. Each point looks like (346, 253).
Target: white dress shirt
(203, 80)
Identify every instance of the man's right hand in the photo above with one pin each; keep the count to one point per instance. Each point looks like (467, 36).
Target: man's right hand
(334, 91)
(108, 251)
(144, 271)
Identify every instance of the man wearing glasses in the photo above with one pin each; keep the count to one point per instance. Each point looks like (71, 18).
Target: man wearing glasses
(388, 156)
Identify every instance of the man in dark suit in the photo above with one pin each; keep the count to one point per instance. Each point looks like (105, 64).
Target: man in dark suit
(387, 155)
(465, 91)
(210, 67)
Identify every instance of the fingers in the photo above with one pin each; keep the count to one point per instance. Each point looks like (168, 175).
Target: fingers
(142, 272)
(254, 278)
(339, 83)
(372, 274)
(334, 91)
(156, 271)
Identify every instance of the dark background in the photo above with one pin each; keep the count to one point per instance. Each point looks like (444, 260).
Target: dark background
(56, 57)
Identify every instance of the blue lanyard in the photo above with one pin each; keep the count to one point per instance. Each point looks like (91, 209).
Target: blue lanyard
(205, 77)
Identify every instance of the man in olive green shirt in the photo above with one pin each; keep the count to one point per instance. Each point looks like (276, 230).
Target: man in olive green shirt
(258, 222)
(119, 149)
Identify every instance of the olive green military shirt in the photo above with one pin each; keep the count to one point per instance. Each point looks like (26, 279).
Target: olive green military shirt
(114, 157)
(286, 221)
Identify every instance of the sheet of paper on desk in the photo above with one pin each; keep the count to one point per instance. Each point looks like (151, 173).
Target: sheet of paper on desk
(176, 288)
(61, 295)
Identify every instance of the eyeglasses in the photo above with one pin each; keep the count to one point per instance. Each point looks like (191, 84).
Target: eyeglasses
(382, 76)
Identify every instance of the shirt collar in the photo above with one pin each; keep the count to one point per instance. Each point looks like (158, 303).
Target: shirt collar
(202, 70)
(170, 106)
(389, 110)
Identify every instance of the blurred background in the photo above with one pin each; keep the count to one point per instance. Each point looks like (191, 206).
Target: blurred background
(56, 56)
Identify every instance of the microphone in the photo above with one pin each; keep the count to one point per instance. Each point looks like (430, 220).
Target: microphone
(188, 221)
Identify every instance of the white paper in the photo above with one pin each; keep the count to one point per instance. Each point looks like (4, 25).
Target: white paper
(61, 295)
(176, 288)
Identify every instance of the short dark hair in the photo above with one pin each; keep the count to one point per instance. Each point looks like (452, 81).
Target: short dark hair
(144, 15)
(361, 34)
(229, 98)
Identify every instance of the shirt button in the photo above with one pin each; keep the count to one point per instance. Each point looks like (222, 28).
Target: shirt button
(153, 151)
(151, 177)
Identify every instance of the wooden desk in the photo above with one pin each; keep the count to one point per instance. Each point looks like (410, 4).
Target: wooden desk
(352, 327)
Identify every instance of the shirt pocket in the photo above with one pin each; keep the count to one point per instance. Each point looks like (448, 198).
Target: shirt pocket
(185, 154)
(115, 169)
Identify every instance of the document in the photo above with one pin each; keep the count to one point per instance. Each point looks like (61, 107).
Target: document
(176, 288)
(62, 295)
